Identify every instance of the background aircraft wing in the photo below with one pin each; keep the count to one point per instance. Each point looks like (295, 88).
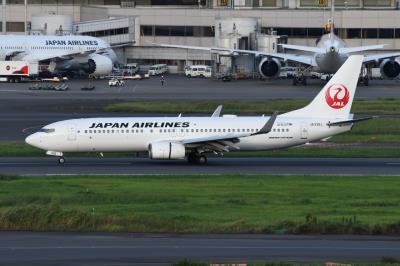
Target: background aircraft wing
(378, 57)
(347, 50)
(303, 59)
(303, 48)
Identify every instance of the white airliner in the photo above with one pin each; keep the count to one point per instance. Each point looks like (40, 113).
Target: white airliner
(326, 57)
(193, 137)
(63, 53)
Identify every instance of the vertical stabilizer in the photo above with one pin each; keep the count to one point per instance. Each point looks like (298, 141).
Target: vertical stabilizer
(336, 98)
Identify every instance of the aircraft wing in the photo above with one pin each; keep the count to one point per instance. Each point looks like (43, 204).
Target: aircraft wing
(303, 59)
(224, 143)
(378, 57)
(350, 121)
(303, 48)
(61, 56)
(347, 50)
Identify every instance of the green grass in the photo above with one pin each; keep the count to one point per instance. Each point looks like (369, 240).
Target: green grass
(360, 107)
(197, 203)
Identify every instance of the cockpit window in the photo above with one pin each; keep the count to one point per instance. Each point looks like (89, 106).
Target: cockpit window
(47, 130)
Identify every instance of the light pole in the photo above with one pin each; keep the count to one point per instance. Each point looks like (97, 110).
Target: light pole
(4, 23)
(26, 11)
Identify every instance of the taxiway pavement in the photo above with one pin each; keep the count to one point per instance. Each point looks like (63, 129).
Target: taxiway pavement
(135, 166)
(25, 248)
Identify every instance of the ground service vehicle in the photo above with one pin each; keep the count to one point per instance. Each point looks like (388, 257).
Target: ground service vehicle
(16, 71)
(158, 69)
(129, 69)
(116, 82)
(198, 71)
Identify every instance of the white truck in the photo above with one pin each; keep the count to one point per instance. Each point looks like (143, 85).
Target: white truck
(158, 69)
(17, 71)
(198, 71)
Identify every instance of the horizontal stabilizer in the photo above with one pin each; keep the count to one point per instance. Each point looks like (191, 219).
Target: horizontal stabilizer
(351, 121)
(311, 49)
(347, 50)
(268, 126)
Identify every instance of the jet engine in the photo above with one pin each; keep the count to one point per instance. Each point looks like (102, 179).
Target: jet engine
(166, 150)
(390, 68)
(270, 68)
(99, 65)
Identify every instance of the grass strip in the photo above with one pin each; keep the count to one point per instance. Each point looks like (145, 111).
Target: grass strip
(202, 204)
(267, 106)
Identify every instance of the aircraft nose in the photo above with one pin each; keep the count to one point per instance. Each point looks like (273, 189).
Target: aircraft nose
(33, 140)
(332, 49)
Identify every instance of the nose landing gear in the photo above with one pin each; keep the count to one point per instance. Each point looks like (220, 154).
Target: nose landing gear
(61, 160)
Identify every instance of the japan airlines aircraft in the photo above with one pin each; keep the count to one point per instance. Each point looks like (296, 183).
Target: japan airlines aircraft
(170, 138)
(327, 57)
(63, 53)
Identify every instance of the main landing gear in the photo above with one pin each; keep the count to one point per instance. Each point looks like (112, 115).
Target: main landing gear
(299, 80)
(195, 158)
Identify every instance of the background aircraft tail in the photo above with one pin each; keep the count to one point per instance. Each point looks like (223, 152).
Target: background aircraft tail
(336, 98)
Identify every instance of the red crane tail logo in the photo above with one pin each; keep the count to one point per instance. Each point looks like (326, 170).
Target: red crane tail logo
(337, 96)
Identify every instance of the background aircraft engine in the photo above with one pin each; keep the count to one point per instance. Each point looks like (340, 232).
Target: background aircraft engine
(270, 68)
(99, 65)
(166, 150)
(390, 68)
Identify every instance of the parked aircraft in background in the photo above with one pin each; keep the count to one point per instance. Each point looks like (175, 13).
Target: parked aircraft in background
(170, 138)
(61, 53)
(327, 57)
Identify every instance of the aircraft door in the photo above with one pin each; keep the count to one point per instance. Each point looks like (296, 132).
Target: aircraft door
(304, 131)
(71, 132)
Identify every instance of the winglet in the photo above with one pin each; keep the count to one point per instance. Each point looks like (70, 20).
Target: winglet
(268, 126)
(217, 112)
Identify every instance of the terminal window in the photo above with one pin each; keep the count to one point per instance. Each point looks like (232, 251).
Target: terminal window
(174, 2)
(268, 3)
(381, 3)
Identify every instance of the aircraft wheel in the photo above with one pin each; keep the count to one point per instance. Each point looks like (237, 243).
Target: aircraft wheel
(61, 160)
(201, 160)
(366, 81)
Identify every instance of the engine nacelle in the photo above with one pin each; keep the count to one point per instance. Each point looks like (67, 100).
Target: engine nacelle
(390, 68)
(166, 150)
(270, 68)
(99, 65)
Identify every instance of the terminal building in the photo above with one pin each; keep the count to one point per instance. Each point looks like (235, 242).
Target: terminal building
(254, 24)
